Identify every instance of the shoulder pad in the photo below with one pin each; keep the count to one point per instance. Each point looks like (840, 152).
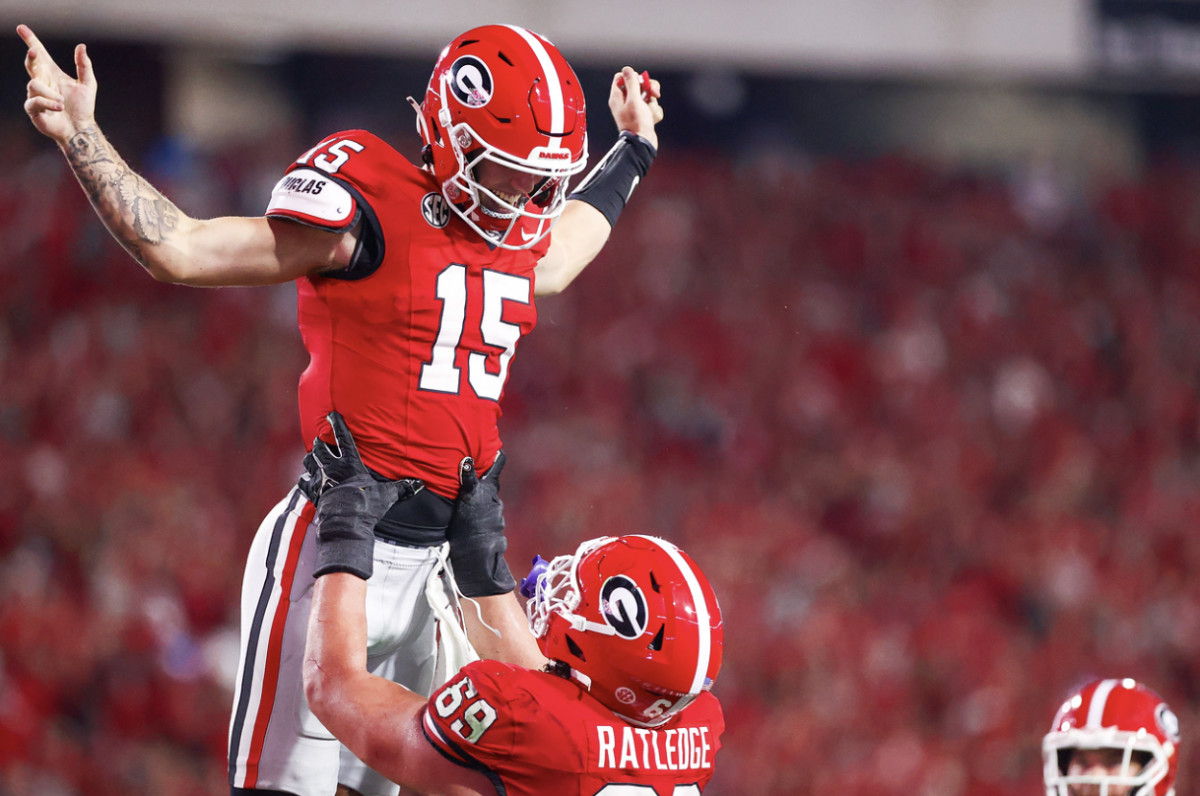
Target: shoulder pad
(311, 197)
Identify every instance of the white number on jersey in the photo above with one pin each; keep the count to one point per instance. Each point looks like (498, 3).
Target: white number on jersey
(337, 149)
(476, 717)
(440, 374)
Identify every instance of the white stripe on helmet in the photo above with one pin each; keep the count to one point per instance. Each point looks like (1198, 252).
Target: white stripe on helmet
(553, 86)
(702, 617)
(1095, 715)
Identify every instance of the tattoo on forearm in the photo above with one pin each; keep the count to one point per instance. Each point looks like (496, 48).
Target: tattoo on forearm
(133, 210)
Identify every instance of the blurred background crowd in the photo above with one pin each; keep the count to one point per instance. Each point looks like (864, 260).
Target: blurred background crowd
(929, 423)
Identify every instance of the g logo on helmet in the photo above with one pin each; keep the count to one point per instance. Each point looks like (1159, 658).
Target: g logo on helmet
(1168, 722)
(623, 606)
(471, 81)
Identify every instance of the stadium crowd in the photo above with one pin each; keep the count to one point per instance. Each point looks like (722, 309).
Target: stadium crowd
(931, 431)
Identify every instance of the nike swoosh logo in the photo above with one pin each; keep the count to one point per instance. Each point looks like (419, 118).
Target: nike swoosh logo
(527, 237)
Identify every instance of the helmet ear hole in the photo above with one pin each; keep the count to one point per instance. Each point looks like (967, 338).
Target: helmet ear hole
(575, 650)
(427, 154)
(657, 642)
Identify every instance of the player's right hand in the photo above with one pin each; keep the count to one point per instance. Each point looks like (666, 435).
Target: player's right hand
(58, 105)
(351, 503)
(636, 111)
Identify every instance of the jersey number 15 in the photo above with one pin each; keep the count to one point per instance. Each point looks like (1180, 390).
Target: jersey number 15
(441, 373)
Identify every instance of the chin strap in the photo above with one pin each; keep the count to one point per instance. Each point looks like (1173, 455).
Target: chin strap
(584, 625)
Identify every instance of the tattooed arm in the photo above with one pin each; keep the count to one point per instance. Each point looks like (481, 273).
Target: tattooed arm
(168, 243)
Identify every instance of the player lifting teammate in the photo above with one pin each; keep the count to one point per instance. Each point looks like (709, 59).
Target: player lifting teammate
(633, 636)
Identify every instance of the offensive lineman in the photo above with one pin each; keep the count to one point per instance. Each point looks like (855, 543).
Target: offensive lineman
(414, 287)
(630, 626)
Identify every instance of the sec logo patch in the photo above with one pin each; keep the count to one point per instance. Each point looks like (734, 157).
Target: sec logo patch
(435, 210)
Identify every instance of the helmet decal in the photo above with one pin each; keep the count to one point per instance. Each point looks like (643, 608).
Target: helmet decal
(623, 606)
(1168, 722)
(471, 81)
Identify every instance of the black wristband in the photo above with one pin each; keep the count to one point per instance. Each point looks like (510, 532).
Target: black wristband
(345, 555)
(608, 186)
(479, 567)
(347, 514)
(476, 533)
(345, 520)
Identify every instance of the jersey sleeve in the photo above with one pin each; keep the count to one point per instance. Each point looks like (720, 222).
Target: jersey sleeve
(311, 193)
(470, 720)
(329, 187)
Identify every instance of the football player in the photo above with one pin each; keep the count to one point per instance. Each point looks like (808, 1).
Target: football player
(1112, 738)
(415, 284)
(633, 640)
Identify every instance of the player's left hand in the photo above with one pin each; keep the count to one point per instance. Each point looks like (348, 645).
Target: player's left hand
(476, 533)
(633, 100)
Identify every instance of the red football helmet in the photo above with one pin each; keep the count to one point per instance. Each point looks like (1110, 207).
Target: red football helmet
(1120, 715)
(636, 622)
(504, 94)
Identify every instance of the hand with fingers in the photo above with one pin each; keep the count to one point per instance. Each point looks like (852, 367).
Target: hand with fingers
(476, 533)
(60, 106)
(636, 111)
(350, 505)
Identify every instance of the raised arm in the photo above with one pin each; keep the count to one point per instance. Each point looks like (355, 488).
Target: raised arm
(169, 244)
(588, 219)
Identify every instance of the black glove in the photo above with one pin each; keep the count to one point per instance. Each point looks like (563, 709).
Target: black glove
(476, 533)
(351, 502)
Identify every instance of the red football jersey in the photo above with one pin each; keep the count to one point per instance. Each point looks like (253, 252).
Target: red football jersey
(534, 733)
(412, 342)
